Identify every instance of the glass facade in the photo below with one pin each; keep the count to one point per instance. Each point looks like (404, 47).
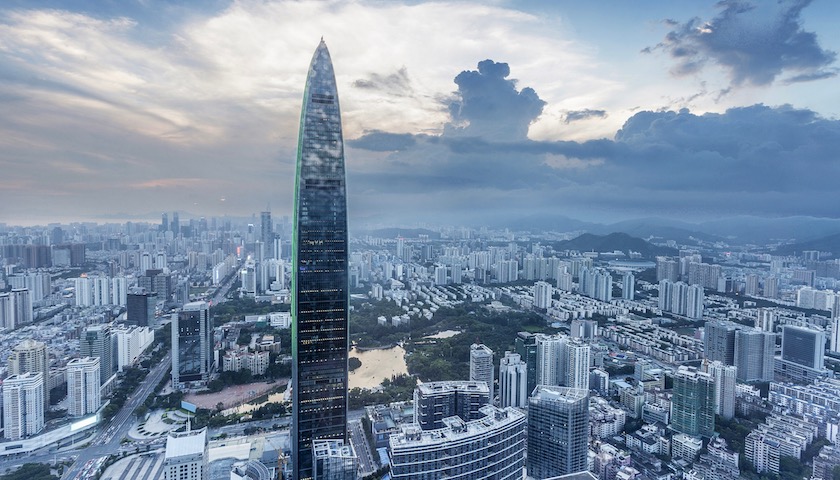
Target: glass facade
(558, 431)
(192, 345)
(319, 278)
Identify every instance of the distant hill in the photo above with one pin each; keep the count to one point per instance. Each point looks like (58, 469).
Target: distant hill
(623, 242)
(830, 243)
(682, 232)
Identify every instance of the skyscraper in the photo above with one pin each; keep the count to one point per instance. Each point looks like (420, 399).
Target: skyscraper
(192, 345)
(719, 341)
(319, 271)
(754, 351)
(558, 431)
(481, 366)
(724, 376)
(97, 342)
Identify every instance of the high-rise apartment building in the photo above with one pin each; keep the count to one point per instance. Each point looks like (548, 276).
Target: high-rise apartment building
(542, 295)
(558, 431)
(724, 377)
(97, 342)
(30, 356)
(551, 359)
(83, 392)
(192, 346)
(628, 286)
(23, 405)
(15, 308)
(577, 364)
(693, 402)
(319, 271)
(513, 381)
(481, 366)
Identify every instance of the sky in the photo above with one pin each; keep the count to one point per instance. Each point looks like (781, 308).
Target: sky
(453, 112)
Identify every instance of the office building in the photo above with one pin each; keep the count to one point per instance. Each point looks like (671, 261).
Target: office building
(98, 342)
(23, 405)
(186, 456)
(434, 401)
(30, 356)
(140, 307)
(526, 347)
(693, 402)
(481, 366)
(192, 346)
(513, 381)
(319, 271)
(558, 431)
(333, 460)
(83, 392)
(492, 445)
(803, 346)
(754, 352)
(724, 377)
(719, 341)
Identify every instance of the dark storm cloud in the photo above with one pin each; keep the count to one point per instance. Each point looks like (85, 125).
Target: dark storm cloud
(575, 115)
(396, 83)
(488, 104)
(756, 160)
(756, 42)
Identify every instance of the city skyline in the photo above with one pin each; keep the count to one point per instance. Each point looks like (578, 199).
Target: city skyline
(121, 111)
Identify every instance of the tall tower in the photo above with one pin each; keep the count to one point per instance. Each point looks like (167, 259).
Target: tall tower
(267, 235)
(97, 342)
(319, 271)
(693, 403)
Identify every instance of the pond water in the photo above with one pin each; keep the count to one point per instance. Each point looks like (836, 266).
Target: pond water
(377, 365)
(445, 334)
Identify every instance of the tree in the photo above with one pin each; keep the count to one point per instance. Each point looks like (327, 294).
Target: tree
(353, 363)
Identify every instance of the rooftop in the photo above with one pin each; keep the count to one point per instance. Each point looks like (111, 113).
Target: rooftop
(182, 444)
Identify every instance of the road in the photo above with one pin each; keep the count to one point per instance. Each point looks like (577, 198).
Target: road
(367, 463)
(107, 442)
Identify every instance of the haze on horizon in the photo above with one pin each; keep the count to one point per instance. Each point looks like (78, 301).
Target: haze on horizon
(453, 111)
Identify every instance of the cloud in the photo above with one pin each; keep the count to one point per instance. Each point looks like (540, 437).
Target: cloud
(749, 160)
(754, 42)
(379, 141)
(575, 115)
(488, 104)
(396, 83)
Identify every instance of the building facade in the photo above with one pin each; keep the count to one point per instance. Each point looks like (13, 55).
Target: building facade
(513, 381)
(481, 366)
(319, 271)
(491, 446)
(83, 393)
(693, 402)
(23, 405)
(558, 431)
(192, 346)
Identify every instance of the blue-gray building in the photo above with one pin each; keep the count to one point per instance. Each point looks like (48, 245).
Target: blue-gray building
(558, 431)
(319, 271)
